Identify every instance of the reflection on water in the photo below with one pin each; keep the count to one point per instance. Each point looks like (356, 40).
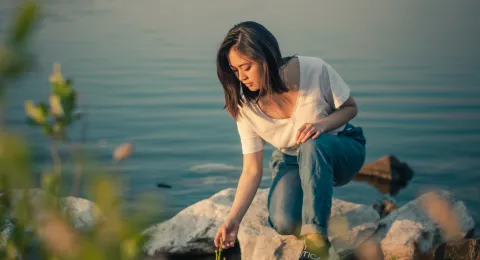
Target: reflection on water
(384, 186)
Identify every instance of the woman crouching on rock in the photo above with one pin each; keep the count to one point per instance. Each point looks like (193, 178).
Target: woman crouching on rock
(302, 107)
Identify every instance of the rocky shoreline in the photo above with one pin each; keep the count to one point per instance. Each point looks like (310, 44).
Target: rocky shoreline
(420, 229)
(404, 233)
(434, 226)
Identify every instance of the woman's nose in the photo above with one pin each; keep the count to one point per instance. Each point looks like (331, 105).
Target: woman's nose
(241, 76)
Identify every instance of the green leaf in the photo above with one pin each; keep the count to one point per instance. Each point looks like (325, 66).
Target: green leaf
(50, 182)
(47, 129)
(14, 164)
(57, 78)
(7, 57)
(11, 250)
(31, 122)
(58, 130)
(69, 103)
(28, 14)
(44, 108)
(60, 87)
(66, 120)
(38, 114)
(56, 106)
(57, 127)
(13, 63)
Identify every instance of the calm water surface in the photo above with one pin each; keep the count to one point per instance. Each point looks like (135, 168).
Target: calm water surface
(147, 70)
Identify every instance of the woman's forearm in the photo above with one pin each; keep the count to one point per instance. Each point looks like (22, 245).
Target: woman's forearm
(247, 188)
(337, 118)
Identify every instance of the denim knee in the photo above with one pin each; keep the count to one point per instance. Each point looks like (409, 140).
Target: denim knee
(283, 224)
(314, 146)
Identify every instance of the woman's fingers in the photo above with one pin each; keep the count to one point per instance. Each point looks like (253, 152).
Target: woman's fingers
(305, 132)
(229, 239)
(230, 242)
(317, 134)
(308, 134)
(225, 238)
(220, 237)
(216, 241)
(299, 132)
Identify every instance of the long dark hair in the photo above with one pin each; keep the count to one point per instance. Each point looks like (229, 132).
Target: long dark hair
(255, 42)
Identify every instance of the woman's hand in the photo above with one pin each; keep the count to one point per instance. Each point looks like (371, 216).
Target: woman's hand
(227, 233)
(308, 130)
(346, 112)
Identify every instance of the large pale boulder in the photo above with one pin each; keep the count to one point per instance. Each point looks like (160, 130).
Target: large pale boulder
(416, 227)
(192, 230)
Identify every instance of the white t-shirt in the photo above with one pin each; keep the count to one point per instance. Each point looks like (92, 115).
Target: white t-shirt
(321, 90)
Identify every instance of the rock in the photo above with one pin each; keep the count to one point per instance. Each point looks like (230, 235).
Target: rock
(84, 213)
(465, 249)
(192, 230)
(388, 168)
(369, 250)
(385, 206)
(7, 228)
(409, 230)
(35, 196)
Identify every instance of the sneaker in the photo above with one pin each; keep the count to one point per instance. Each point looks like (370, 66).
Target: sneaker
(326, 253)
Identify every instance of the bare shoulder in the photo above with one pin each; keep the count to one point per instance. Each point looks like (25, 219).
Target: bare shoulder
(290, 73)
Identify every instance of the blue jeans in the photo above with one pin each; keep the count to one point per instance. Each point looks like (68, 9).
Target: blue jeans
(300, 197)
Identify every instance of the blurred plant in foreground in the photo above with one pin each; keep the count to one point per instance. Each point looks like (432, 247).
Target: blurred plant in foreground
(37, 223)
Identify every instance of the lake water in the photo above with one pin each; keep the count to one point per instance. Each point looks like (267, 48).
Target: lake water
(147, 71)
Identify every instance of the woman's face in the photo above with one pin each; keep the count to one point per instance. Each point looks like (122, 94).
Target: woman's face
(248, 71)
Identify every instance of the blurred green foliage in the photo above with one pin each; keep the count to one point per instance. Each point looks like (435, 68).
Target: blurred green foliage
(14, 56)
(35, 222)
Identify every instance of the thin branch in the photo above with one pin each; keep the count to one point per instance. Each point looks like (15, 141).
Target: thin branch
(57, 162)
(83, 105)
(76, 149)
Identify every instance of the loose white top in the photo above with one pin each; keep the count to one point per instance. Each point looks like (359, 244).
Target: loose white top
(321, 91)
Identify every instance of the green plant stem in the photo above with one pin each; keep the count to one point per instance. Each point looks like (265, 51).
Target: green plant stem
(76, 149)
(57, 162)
(83, 105)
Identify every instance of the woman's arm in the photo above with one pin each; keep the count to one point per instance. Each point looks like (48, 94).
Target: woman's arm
(247, 185)
(246, 190)
(346, 112)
